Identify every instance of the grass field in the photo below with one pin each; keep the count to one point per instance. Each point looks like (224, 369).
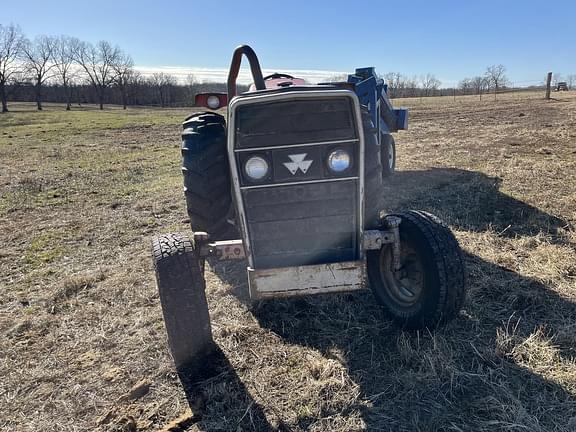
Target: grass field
(83, 192)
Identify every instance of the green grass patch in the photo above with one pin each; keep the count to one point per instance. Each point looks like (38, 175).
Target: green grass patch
(45, 248)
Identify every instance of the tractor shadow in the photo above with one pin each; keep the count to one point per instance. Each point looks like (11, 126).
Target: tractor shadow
(426, 380)
(470, 201)
(468, 375)
(218, 398)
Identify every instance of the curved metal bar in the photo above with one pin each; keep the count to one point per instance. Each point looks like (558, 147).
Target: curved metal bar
(235, 68)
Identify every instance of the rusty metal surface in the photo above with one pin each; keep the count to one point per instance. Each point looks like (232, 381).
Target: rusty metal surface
(393, 222)
(304, 280)
(224, 250)
(375, 239)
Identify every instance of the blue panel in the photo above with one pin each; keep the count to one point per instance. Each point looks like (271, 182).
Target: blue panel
(384, 127)
(401, 118)
(366, 91)
(373, 93)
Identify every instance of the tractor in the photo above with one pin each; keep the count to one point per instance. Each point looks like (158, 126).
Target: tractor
(296, 173)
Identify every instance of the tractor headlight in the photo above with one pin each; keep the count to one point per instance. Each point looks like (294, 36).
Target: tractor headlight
(339, 161)
(213, 102)
(256, 168)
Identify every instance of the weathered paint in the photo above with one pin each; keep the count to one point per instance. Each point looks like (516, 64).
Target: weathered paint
(393, 222)
(280, 82)
(234, 249)
(304, 280)
(224, 250)
(374, 239)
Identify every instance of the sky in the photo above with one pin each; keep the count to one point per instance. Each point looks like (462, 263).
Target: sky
(314, 39)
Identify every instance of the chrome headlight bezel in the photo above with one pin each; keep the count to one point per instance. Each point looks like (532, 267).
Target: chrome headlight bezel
(339, 161)
(251, 170)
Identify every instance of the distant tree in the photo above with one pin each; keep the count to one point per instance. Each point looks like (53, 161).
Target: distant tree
(163, 84)
(395, 83)
(190, 80)
(480, 85)
(96, 61)
(123, 67)
(190, 84)
(11, 44)
(412, 86)
(135, 88)
(429, 84)
(571, 81)
(466, 85)
(39, 64)
(496, 76)
(63, 58)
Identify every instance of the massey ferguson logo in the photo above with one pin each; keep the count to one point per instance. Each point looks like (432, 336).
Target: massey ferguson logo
(298, 163)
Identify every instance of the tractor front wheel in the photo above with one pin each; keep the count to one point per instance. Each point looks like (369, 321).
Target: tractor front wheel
(429, 287)
(180, 279)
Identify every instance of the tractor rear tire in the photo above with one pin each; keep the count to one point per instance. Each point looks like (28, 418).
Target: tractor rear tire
(388, 154)
(206, 173)
(429, 290)
(181, 284)
(373, 187)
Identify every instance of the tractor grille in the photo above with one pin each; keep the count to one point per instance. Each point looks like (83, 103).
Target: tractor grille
(301, 213)
(299, 225)
(300, 121)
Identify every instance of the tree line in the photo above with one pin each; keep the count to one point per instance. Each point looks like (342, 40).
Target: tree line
(400, 86)
(67, 70)
(493, 80)
(403, 86)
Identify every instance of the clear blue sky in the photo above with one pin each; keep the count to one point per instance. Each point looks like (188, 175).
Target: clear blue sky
(451, 39)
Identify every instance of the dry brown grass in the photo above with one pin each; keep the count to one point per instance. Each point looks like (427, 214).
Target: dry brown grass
(82, 340)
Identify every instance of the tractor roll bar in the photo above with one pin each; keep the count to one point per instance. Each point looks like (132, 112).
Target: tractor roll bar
(235, 68)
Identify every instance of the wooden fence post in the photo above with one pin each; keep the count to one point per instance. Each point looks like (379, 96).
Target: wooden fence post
(548, 81)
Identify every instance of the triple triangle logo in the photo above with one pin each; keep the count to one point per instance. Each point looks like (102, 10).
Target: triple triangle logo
(298, 163)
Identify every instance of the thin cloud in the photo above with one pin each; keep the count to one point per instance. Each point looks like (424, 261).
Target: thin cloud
(244, 77)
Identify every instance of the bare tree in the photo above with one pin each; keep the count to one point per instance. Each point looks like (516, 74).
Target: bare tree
(11, 44)
(412, 86)
(190, 85)
(39, 65)
(466, 85)
(429, 84)
(496, 76)
(63, 58)
(480, 85)
(123, 70)
(571, 81)
(134, 88)
(163, 84)
(395, 82)
(96, 61)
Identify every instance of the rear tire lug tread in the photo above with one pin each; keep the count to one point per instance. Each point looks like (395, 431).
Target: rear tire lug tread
(206, 173)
